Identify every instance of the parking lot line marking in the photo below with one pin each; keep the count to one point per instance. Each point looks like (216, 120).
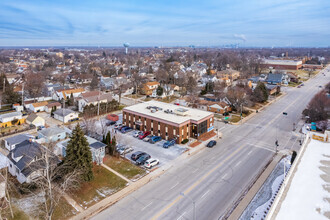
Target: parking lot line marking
(146, 206)
(239, 162)
(205, 193)
(181, 216)
(174, 185)
(197, 183)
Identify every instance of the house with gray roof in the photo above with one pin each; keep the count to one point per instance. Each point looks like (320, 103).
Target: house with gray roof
(52, 134)
(11, 142)
(24, 161)
(96, 147)
(277, 78)
(66, 115)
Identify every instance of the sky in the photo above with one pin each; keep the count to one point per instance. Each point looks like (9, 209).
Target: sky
(257, 23)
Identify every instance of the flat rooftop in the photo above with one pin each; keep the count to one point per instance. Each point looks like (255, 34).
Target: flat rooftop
(169, 112)
(308, 196)
(282, 62)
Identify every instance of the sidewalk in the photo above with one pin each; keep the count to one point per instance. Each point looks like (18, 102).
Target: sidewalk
(254, 112)
(238, 211)
(115, 172)
(105, 203)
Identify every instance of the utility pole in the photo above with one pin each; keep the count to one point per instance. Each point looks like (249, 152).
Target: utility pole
(98, 104)
(241, 112)
(23, 95)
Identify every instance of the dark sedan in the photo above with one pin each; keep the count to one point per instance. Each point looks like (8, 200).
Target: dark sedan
(211, 144)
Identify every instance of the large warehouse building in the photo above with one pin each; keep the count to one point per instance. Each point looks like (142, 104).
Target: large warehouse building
(282, 64)
(168, 121)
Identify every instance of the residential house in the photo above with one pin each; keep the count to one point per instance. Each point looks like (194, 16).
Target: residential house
(11, 142)
(293, 78)
(18, 107)
(97, 149)
(93, 98)
(38, 106)
(219, 107)
(35, 120)
(51, 134)
(108, 82)
(228, 74)
(209, 79)
(272, 89)
(149, 87)
(24, 163)
(65, 94)
(55, 105)
(66, 115)
(277, 79)
(7, 119)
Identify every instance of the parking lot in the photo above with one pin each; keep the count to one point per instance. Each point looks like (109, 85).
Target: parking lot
(164, 155)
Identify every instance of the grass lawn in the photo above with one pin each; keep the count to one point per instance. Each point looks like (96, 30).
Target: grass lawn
(147, 99)
(124, 167)
(64, 210)
(168, 99)
(18, 214)
(235, 118)
(135, 96)
(104, 184)
(293, 84)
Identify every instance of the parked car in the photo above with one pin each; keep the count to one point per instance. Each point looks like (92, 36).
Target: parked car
(285, 113)
(169, 143)
(117, 126)
(146, 139)
(142, 159)
(151, 163)
(110, 123)
(299, 86)
(144, 134)
(118, 146)
(211, 143)
(137, 133)
(125, 150)
(125, 130)
(155, 139)
(123, 127)
(137, 154)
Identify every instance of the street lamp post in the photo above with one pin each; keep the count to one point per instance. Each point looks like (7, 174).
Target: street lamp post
(194, 204)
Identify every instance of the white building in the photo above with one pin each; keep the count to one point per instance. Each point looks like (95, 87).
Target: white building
(7, 117)
(66, 115)
(93, 98)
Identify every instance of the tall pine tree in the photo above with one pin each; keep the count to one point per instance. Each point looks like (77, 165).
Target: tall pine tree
(78, 154)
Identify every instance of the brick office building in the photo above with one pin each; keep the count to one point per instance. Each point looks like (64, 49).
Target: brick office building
(282, 64)
(168, 121)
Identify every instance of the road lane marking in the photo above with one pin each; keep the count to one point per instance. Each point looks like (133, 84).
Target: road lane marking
(146, 206)
(239, 162)
(205, 193)
(174, 186)
(258, 146)
(249, 152)
(178, 198)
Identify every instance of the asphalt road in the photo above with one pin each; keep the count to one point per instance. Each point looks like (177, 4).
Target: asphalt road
(215, 178)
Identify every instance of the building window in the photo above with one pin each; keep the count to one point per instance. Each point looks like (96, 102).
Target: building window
(139, 117)
(152, 121)
(158, 123)
(166, 134)
(211, 118)
(152, 129)
(174, 132)
(158, 131)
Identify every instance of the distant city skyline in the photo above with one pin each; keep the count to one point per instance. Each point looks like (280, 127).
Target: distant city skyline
(255, 23)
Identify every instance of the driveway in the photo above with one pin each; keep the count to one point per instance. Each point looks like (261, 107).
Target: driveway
(49, 120)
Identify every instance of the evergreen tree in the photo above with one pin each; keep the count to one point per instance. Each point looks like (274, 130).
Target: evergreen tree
(78, 154)
(160, 91)
(108, 142)
(113, 145)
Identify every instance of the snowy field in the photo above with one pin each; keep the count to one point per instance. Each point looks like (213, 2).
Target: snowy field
(309, 193)
(261, 203)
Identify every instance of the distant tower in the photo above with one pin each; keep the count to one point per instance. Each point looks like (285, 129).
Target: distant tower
(126, 45)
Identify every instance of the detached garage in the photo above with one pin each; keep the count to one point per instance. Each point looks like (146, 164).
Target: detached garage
(35, 120)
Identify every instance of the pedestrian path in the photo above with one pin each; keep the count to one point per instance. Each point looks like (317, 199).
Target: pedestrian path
(73, 203)
(118, 174)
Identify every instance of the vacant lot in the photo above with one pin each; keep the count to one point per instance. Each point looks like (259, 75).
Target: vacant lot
(104, 184)
(63, 210)
(124, 167)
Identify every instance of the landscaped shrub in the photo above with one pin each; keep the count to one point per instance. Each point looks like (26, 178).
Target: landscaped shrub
(184, 141)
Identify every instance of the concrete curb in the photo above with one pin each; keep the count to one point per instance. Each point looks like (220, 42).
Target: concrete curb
(242, 205)
(114, 198)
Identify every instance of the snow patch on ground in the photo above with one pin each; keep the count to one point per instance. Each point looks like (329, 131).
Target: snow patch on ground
(262, 201)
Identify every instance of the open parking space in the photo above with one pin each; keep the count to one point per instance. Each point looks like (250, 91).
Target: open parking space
(165, 155)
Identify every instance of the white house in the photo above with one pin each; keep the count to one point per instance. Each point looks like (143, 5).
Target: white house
(97, 149)
(18, 107)
(21, 160)
(66, 115)
(57, 105)
(64, 94)
(38, 106)
(52, 134)
(35, 120)
(93, 97)
(11, 142)
(7, 117)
